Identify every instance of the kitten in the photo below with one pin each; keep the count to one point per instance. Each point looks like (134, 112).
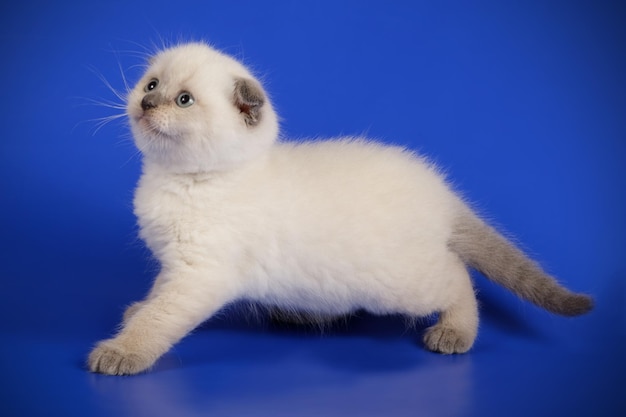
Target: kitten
(320, 228)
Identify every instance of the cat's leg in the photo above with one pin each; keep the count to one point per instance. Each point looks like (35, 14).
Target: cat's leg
(131, 310)
(456, 329)
(134, 307)
(156, 324)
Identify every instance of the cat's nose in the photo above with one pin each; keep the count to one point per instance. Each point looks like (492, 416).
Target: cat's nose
(148, 102)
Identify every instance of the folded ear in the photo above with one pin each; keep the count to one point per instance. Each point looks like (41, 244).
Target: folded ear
(249, 98)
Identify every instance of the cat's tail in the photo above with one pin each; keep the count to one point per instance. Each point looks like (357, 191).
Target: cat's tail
(481, 247)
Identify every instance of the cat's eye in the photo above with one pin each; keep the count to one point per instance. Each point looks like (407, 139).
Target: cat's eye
(152, 84)
(184, 99)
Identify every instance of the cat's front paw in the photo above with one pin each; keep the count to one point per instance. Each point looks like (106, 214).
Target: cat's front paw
(114, 358)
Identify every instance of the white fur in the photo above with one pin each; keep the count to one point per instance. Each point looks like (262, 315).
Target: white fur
(324, 227)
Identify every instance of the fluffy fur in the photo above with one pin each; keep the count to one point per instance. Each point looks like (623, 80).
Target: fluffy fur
(320, 228)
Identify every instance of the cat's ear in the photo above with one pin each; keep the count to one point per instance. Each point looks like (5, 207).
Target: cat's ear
(249, 98)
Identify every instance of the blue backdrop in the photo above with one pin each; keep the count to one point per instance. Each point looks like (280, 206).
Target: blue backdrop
(522, 103)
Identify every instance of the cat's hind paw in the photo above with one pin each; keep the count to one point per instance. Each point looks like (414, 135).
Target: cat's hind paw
(447, 340)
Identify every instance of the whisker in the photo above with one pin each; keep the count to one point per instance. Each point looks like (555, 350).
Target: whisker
(125, 140)
(136, 54)
(119, 104)
(103, 121)
(141, 66)
(144, 53)
(124, 80)
(119, 95)
(103, 103)
(135, 155)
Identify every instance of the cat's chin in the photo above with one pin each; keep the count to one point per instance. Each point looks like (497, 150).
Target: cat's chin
(151, 131)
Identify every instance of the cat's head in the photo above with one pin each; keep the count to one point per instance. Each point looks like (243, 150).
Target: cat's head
(198, 110)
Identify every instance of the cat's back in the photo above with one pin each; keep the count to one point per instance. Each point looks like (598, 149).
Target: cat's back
(356, 180)
(360, 167)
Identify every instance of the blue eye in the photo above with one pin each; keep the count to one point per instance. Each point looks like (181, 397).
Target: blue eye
(184, 99)
(151, 85)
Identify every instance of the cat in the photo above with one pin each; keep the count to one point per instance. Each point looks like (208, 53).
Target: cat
(319, 228)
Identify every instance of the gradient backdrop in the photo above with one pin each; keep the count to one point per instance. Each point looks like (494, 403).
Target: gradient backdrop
(523, 103)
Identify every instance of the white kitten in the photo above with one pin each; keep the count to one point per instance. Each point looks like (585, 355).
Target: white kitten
(321, 228)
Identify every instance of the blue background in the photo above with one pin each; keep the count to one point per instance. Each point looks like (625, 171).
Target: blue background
(522, 103)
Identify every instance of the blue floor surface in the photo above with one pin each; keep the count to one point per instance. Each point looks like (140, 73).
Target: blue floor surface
(523, 105)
